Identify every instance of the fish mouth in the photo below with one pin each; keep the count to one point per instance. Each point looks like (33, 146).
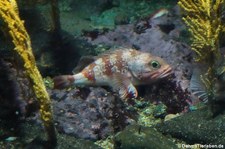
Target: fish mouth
(162, 74)
(166, 72)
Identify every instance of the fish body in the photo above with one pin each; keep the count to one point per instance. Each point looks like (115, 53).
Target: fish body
(121, 69)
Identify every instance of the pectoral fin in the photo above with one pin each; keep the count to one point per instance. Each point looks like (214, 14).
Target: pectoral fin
(124, 86)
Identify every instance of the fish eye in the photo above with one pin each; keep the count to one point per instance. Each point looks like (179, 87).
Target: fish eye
(155, 64)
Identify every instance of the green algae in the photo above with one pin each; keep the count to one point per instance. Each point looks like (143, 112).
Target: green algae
(107, 143)
(105, 20)
(146, 117)
(148, 114)
(98, 17)
(48, 82)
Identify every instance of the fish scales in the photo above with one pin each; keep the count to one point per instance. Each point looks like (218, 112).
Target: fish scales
(106, 66)
(120, 69)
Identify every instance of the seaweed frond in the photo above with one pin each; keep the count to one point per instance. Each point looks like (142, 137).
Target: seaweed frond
(21, 40)
(204, 19)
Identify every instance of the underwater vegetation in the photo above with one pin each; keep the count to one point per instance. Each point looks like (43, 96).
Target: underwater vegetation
(62, 32)
(204, 19)
(10, 16)
(205, 22)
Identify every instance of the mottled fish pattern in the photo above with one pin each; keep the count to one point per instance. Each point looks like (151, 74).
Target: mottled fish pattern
(121, 69)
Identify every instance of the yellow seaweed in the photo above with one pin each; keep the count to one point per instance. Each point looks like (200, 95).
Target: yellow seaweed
(204, 19)
(21, 40)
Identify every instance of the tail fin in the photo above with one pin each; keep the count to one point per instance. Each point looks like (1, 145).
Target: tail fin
(63, 81)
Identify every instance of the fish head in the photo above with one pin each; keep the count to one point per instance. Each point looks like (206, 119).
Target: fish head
(151, 68)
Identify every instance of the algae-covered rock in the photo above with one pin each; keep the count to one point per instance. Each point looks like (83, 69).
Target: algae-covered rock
(196, 127)
(32, 137)
(94, 117)
(135, 137)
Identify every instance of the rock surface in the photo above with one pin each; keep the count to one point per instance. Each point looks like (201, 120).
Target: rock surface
(135, 136)
(33, 137)
(196, 127)
(93, 117)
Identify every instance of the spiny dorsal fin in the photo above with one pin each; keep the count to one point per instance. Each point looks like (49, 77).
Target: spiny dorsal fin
(113, 51)
(83, 62)
(86, 60)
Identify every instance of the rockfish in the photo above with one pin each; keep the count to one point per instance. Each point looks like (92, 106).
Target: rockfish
(120, 69)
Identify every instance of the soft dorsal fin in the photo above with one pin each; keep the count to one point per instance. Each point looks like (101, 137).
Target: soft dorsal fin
(86, 60)
(83, 62)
